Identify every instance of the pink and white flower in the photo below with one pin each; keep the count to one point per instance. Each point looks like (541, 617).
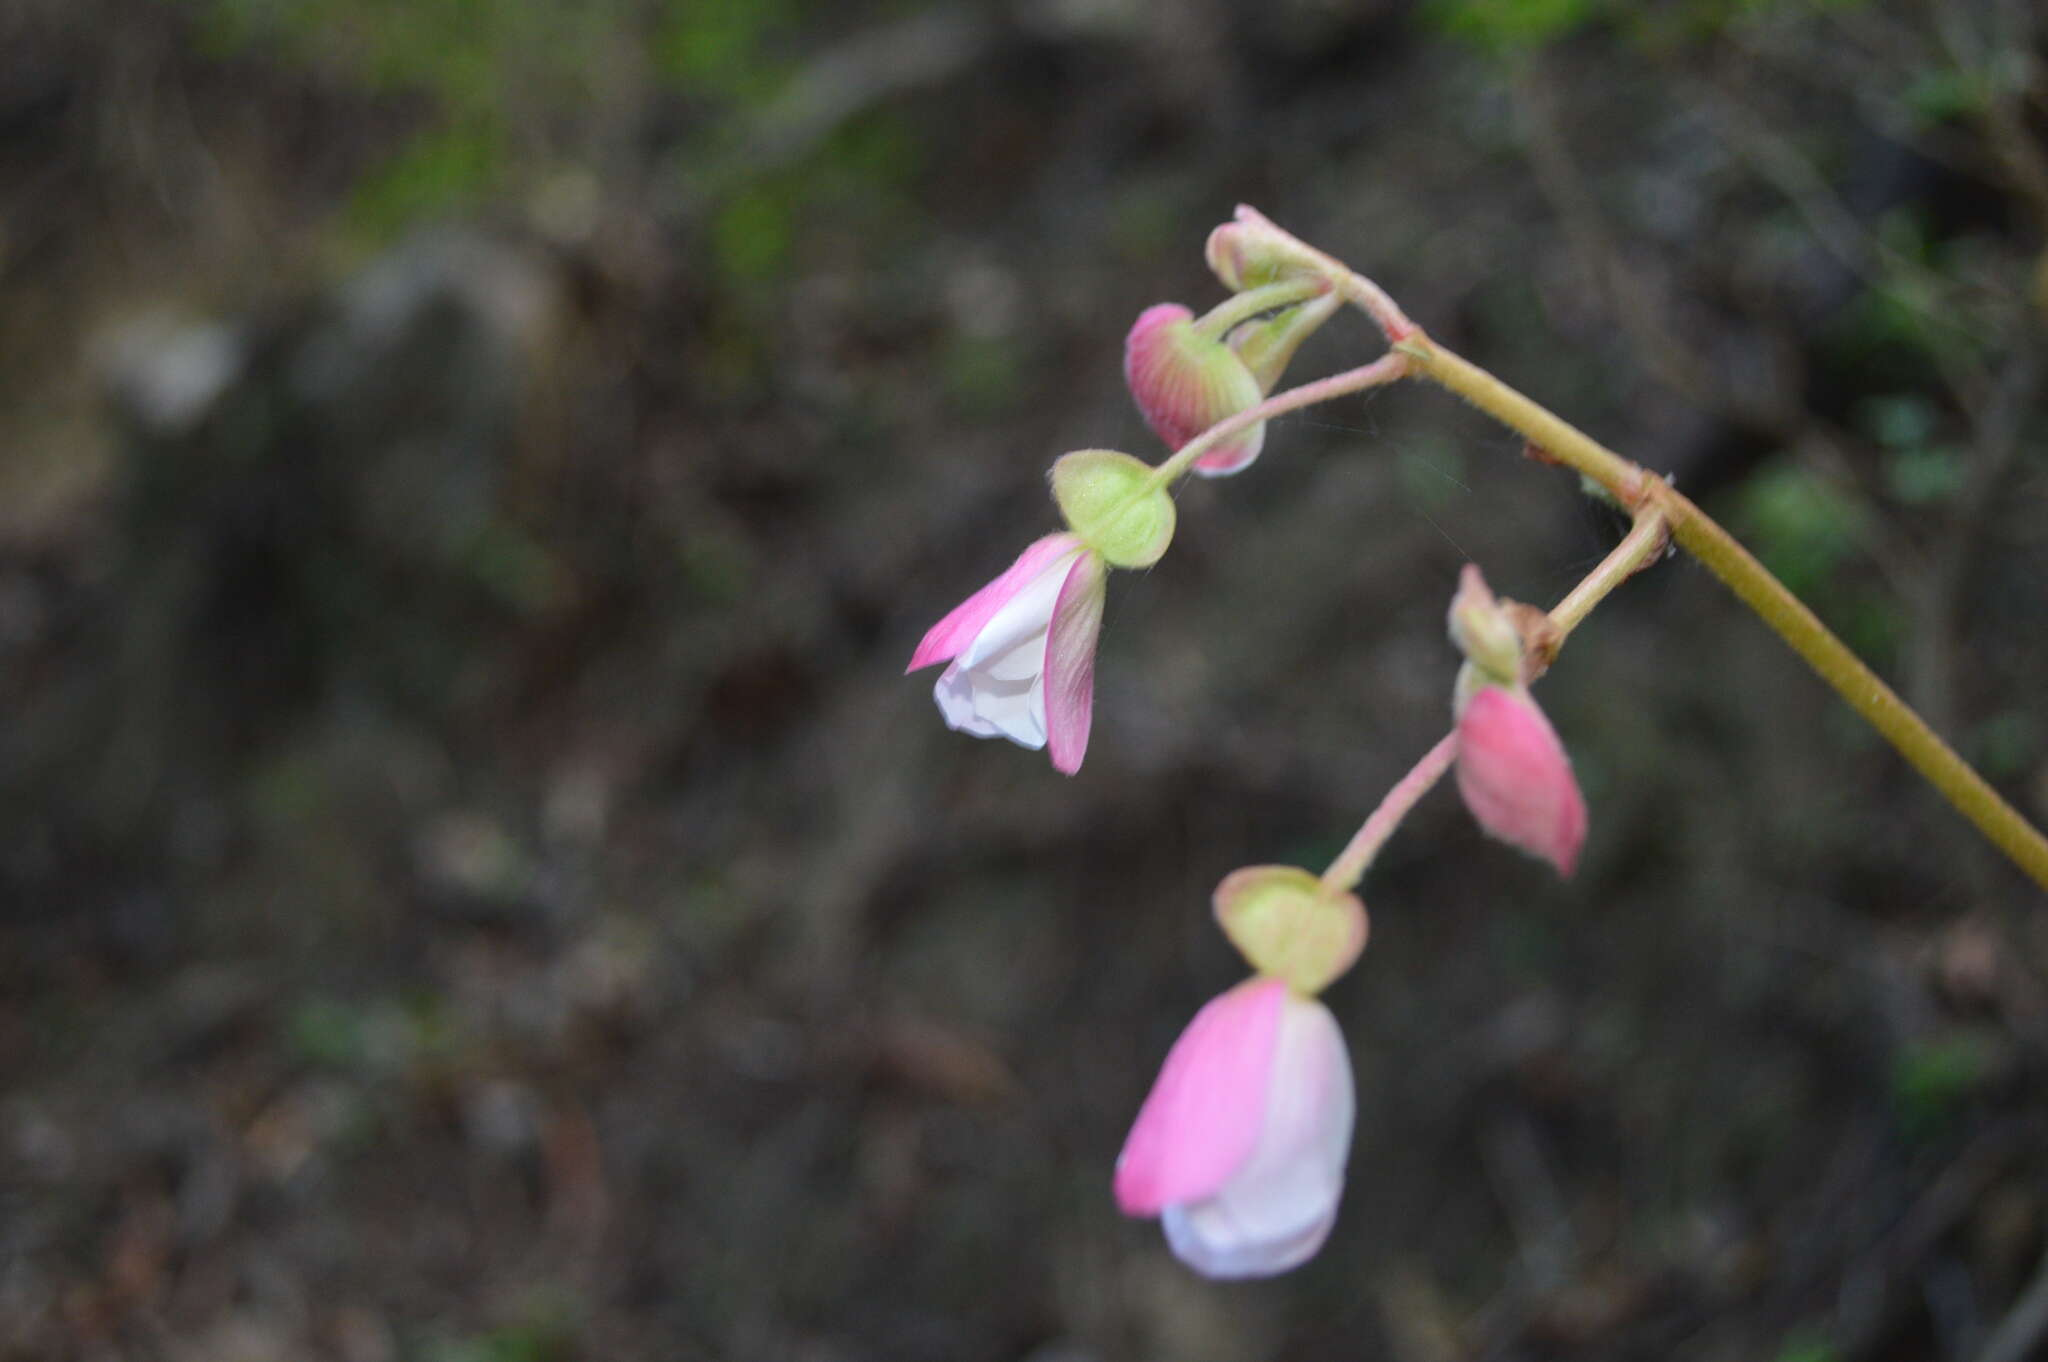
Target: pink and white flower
(1023, 652)
(1516, 779)
(1241, 1146)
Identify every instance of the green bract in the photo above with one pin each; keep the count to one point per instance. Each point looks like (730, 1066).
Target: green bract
(1109, 501)
(1287, 925)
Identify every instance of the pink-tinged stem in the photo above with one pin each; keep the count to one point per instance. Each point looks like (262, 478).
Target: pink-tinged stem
(1358, 290)
(1642, 544)
(1385, 369)
(1349, 868)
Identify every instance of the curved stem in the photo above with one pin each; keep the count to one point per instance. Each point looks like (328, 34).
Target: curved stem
(1639, 547)
(1217, 321)
(1698, 534)
(1385, 369)
(1355, 287)
(1349, 868)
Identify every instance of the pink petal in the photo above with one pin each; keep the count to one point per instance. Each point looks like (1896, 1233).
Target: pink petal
(1203, 1117)
(1158, 382)
(1184, 382)
(1233, 456)
(1516, 779)
(1070, 663)
(1274, 1212)
(953, 633)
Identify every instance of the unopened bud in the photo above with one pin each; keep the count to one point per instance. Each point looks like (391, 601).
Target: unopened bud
(1185, 382)
(1250, 252)
(1484, 630)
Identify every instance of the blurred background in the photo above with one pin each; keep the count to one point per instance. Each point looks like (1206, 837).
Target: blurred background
(476, 886)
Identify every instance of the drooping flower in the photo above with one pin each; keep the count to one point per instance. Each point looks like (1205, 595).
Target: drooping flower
(1022, 651)
(1185, 382)
(1241, 1146)
(1515, 777)
(1512, 769)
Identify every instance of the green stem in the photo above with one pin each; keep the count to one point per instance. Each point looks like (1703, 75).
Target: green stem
(1385, 369)
(1698, 534)
(1217, 321)
(1644, 541)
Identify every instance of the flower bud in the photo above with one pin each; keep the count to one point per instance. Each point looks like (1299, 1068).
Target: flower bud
(1516, 779)
(1250, 252)
(1288, 926)
(1485, 631)
(1267, 346)
(1185, 382)
(1110, 502)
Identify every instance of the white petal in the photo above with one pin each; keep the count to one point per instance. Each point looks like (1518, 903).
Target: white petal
(996, 686)
(1275, 1211)
(1213, 1251)
(987, 708)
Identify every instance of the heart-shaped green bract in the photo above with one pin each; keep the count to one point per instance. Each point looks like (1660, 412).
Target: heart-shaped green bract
(1109, 500)
(1290, 926)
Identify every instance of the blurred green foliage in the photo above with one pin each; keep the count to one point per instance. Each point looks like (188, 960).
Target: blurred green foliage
(1917, 471)
(1803, 527)
(493, 71)
(1807, 530)
(545, 1333)
(1505, 27)
(1943, 93)
(2007, 744)
(718, 47)
(1804, 1347)
(1932, 1079)
(480, 64)
(1510, 25)
(386, 1038)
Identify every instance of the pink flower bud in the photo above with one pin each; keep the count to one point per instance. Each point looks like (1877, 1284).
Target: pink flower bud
(1023, 652)
(1516, 779)
(1250, 251)
(1185, 382)
(1241, 1146)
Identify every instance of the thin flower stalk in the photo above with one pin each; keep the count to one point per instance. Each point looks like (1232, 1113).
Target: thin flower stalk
(1646, 539)
(1350, 866)
(1386, 369)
